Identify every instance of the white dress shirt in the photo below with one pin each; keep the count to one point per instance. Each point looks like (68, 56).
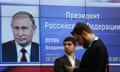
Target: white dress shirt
(19, 53)
(72, 60)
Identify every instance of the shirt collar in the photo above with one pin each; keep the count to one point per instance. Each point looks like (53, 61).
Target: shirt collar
(69, 56)
(28, 47)
(92, 40)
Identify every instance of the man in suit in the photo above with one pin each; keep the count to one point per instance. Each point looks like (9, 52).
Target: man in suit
(95, 58)
(68, 62)
(21, 49)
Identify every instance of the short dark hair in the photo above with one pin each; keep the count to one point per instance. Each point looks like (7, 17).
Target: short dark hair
(80, 27)
(70, 39)
(26, 13)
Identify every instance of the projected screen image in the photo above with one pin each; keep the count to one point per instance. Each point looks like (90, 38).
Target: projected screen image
(57, 21)
(19, 28)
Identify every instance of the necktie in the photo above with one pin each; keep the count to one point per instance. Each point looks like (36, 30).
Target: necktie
(23, 59)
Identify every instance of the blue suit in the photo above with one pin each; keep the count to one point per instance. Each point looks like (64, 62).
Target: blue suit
(9, 52)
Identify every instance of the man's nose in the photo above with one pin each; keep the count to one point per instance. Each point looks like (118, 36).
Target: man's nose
(66, 46)
(20, 32)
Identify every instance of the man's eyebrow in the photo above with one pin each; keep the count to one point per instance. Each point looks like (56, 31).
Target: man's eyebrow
(15, 27)
(23, 27)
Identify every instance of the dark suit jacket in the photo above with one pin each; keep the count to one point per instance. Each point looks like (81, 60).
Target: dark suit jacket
(94, 59)
(9, 53)
(60, 63)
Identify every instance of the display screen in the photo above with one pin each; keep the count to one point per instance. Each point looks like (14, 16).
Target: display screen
(57, 19)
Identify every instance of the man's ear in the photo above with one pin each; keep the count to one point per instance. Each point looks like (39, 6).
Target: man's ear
(34, 27)
(84, 33)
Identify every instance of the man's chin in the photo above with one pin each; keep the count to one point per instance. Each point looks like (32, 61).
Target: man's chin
(69, 53)
(22, 44)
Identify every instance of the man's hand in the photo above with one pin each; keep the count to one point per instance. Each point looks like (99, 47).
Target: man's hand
(70, 68)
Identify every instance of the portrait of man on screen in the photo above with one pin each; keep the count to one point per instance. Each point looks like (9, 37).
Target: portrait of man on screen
(22, 48)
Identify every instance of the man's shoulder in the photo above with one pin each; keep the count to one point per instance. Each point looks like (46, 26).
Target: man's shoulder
(8, 46)
(98, 43)
(8, 43)
(60, 58)
(34, 44)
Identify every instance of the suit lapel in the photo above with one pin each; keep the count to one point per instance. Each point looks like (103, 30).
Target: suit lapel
(77, 63)
(13, 52)
(66, 60)
(34, 53)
